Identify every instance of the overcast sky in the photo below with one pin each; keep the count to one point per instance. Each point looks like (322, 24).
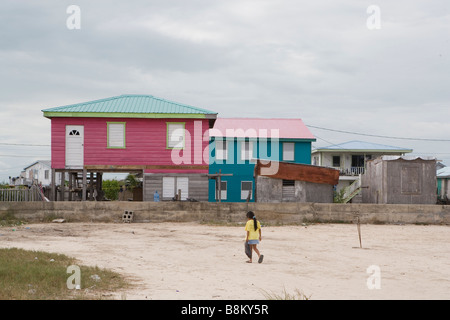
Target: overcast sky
(321, 61)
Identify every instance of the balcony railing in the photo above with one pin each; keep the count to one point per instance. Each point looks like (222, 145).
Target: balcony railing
(352, 171)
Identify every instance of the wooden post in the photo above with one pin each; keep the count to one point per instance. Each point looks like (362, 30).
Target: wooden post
(83, 196)
(70, 185)
(218, 178)
(91, 186)
(62, 189)
(53, 188)
(99, 184)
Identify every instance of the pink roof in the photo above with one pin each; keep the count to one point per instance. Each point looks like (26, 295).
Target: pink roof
(260, 128)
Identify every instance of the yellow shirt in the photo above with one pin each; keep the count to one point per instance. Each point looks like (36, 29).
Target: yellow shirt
(250, 227)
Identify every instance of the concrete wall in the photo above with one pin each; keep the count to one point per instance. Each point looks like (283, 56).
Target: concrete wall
(271, 190)
(269, 213)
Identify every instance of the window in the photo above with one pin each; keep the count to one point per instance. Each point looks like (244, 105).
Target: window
(74, 133)
(246, 150)
(116, 135)
(221, 150)
(223, 190)
(288, 190)
(175, 135)
(357, 161)
(246, 190)
(288, 151)
(336, 161)
(46, 174)
(315, 161)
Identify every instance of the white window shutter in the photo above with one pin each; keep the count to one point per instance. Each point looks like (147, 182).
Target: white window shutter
(116, 135)
(175, 135)
(288, 151)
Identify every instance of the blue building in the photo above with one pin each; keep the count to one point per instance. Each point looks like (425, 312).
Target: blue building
(236, 143)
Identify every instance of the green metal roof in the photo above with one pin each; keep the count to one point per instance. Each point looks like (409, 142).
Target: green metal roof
(136, 106)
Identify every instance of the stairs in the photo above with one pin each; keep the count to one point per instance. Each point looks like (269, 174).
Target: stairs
(353, 191)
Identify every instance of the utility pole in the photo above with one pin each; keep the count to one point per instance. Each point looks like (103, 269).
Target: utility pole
(218, 177)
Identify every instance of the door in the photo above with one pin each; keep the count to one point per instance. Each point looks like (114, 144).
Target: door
(74, 146)
(183, 185)
(168, 187)
(171, 185)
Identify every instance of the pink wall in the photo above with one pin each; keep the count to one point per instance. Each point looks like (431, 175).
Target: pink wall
(145, 142)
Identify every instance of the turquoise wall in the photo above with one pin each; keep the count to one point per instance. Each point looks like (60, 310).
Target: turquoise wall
(243, 170)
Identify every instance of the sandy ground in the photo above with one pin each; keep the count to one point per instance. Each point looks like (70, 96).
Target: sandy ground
(192, 261)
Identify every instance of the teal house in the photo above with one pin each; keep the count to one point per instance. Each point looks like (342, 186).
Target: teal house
(236, 143)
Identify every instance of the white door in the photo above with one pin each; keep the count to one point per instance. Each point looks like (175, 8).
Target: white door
(171, 185)
(168, 187)
(74, 146)
(183, 185)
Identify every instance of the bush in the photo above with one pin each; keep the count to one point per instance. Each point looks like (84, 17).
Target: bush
(111, 189)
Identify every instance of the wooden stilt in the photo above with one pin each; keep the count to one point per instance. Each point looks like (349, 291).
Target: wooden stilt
(83, 197)
(62, 188)
(53, 186)
(91, 186)
(70, 185)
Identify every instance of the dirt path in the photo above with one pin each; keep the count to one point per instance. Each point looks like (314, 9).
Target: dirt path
(192, 261)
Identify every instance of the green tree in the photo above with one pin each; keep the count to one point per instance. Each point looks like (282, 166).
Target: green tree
(111, 189)
(131, 181)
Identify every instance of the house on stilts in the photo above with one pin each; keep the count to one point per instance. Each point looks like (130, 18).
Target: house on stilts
(165, 141)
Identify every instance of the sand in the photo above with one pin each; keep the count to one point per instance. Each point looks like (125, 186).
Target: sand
(193, 261)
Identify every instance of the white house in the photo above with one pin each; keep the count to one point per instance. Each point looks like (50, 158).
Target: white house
(39, 172)
(350, 158)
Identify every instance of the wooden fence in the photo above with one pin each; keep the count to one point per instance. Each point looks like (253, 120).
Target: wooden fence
(32, 194)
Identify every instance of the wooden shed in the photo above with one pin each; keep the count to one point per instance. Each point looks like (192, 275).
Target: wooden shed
(400, 180)
(293, 182)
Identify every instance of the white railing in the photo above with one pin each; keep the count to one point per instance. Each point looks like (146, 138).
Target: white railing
(352, 171)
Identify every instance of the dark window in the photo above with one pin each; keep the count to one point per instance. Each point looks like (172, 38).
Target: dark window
(288, 183)
(336, 161)
(357, 161)
(74, 133)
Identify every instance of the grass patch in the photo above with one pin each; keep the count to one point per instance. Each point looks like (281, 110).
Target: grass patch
(297, 295)
(37, 275)
(8, 219)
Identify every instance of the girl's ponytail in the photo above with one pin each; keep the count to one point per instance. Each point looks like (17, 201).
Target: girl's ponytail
(251, 215)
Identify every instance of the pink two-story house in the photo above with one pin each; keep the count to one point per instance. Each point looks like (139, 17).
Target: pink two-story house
(164, 140)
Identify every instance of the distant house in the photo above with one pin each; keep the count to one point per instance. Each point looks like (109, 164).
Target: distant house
(39, 172)
(350, 158)
(443, 183)
(236, 144)
(162, 139)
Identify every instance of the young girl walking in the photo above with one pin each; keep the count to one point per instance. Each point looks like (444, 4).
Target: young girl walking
(253, 228)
